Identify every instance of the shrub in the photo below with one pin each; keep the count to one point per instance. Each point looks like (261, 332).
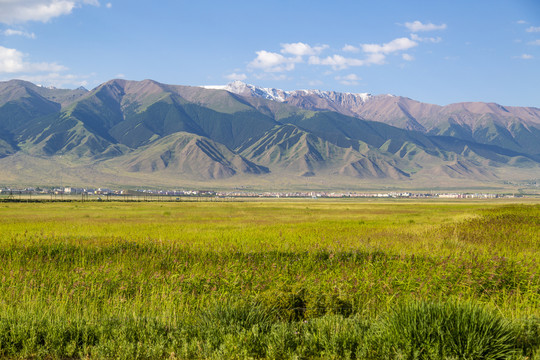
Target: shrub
(289, 305)
(529, 337)
(429, 330)
(233, 316)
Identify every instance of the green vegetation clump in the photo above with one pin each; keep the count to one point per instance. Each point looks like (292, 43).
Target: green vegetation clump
(270, 280)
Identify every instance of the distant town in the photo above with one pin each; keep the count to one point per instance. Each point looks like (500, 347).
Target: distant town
(104, 194)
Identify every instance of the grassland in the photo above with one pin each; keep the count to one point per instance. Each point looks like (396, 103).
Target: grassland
(273, 279)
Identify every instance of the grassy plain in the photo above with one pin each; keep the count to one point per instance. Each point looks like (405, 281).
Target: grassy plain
(271, 279)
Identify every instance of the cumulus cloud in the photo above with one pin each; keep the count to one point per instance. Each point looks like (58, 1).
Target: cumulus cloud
(12, 32)
(526, 56)
(376, 59)
(292, 54)
(273, 62)
(108, 6)
(407, 57)
(533, 29)
(417, 26)
(301, 49)
(390, 47)
(337, 62)
(521, 22)
(315, 83)
(375, 55)
(57, 79)
(278, 62)
(535, 42)
(351, 79)
(235, 76)
(415, 37)
(19, 11)
(271, 76)
(350, 48)
(12, 61)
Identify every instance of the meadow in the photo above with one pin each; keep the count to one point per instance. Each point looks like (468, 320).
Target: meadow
(310, 279)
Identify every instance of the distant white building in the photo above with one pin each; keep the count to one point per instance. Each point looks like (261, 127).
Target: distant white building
(449, 196)
(73, 191)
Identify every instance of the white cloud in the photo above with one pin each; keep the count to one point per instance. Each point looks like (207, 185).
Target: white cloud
(350, 48)
(533, 29)
(351, 79)
(407, 57)
(535, 42)
(521, 22)
(12, 61)
(315, 83)
(390, 47)
(375, 58)
(376, 54)
(271, 76)
(108, 6)
(273, 62)
(426, 39)
(12, 32)
(57, 79)
(525, 56)
(417, 26)
(337, 62)
(42, 67)
(235, 76)
(18, 11)
(301, 49)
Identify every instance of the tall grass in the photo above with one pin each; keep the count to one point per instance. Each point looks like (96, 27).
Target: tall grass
(269, 280)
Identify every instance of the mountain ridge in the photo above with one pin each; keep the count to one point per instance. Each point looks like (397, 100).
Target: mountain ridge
(488, 123)
(148, 131)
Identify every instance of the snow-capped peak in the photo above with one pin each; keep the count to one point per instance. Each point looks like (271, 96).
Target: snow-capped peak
(241, 88)
(237, 86)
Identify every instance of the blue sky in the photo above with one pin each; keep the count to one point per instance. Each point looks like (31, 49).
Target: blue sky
(432, 51)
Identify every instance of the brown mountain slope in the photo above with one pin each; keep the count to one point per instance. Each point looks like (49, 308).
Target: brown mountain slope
(189, 155)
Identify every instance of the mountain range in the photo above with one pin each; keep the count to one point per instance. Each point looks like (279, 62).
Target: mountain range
(148, 133)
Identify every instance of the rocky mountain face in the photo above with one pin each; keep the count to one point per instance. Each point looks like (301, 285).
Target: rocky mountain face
(147, 130)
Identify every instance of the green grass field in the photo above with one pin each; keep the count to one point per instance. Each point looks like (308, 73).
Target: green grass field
(271, 279)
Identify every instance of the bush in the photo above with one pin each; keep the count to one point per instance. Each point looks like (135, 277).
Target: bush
(289, 305)
(335, 337)
(426, 330)
(529, 337)
(233, 327)
(233, 316)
